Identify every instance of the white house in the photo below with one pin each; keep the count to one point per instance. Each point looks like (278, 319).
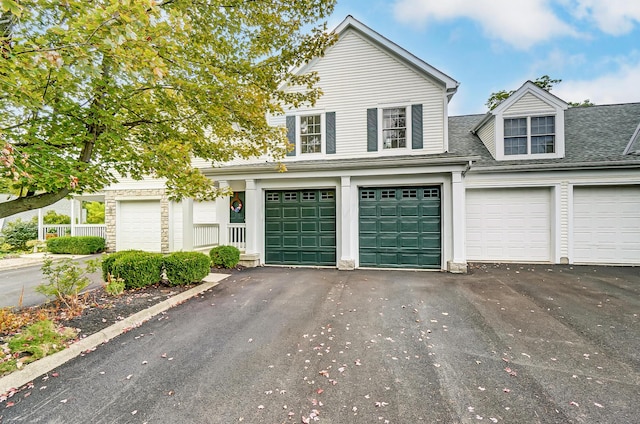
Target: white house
(381, 176)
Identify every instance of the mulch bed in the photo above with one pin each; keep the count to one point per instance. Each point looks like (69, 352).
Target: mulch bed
(104, 310)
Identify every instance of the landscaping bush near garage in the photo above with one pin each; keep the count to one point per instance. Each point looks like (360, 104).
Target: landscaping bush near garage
(186, 267)
(107, 261)
(225, 256)
(137, 269)
(76, 245)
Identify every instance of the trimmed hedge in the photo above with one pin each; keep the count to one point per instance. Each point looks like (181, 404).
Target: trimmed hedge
(107, 262)
(138, 269)
(225, 256)
(186, 267)
(77, 245)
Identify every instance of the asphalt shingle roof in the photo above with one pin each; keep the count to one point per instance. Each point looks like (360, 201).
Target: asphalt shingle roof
(593, 135)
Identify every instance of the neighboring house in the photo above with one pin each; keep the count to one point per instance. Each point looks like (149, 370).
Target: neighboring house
(381, 176)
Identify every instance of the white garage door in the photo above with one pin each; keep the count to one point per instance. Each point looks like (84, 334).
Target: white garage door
(509, 225)
(139, 225)
(606, 226)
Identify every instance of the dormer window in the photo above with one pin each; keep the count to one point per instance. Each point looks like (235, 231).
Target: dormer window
(530, 135)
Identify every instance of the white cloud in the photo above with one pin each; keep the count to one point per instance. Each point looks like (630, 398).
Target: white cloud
(615, 17)
(620, 86)
(521, 23)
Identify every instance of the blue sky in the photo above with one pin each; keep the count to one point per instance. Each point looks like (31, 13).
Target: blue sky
(593, 46)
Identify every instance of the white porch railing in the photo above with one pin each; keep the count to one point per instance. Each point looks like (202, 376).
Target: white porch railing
(238, 236)
(60, 230)
(98, 230)
(206, 235)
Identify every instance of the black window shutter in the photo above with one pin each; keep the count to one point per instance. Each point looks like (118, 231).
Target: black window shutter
(416, 127)
(372, 130)
(330, 123)
(291, 134)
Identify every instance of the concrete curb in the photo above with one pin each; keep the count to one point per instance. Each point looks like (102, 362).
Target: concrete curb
(34, 370)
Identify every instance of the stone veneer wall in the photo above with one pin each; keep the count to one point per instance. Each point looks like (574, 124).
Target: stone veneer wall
(112, 196)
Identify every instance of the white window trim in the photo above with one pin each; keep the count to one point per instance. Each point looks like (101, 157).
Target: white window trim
(323, 134)
(408, 132)
(558, 142)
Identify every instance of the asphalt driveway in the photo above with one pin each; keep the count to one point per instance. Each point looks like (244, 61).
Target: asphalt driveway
(512, 344)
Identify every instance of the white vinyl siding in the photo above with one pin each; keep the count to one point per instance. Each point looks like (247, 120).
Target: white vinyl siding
(509, 225)
(528, 105)
(356, 75)
(488, 136)
(606, 226)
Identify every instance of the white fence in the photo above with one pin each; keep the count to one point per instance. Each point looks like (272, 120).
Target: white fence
(205, 235)
(238, 236)
(60, 230)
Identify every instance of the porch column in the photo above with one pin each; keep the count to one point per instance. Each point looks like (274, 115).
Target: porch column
(251, 216)
(187, 224)
(222, 215)
(458, 264)
(41, 235)
(73, 216)
(347, 258)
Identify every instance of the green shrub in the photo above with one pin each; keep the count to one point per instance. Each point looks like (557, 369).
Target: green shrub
(138, 269)
(115, 286)
(52, 217)
(186, 267)
(66, 279)
(107, 262)
(17, 233)
(77, 245)
(225, 256)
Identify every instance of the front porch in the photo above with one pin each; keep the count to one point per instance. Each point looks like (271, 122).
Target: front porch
(78, 225)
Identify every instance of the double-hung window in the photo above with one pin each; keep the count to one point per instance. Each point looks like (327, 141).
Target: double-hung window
(394, 128)
(530, 135)
(311, 134)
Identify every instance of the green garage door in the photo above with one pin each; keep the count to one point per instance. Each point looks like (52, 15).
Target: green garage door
(300, 227)
(400, 227)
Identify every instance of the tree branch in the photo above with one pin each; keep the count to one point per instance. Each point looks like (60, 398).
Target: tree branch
(22, 204)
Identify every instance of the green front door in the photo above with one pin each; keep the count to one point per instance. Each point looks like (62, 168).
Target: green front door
(300, 227)
(400, 227)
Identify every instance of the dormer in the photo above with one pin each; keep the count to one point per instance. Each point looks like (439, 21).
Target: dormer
(633, 148)
(527, 125)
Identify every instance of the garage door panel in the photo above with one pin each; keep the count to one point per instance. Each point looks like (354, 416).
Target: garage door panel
(394, 224)
(139, 225)
(509, 224)
(606, 225)
(305, 233)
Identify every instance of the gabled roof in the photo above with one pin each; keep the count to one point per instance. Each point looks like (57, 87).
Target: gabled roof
(595, 137)
(350, 23)
(529, 87)
(532, 88)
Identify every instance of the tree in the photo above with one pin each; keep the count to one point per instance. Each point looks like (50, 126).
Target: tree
(52, 217)
(95, 212)
(93, 90)
(545, 82)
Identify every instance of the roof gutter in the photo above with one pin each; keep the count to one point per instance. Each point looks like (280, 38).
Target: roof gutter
(341, 165)
(558, 167)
